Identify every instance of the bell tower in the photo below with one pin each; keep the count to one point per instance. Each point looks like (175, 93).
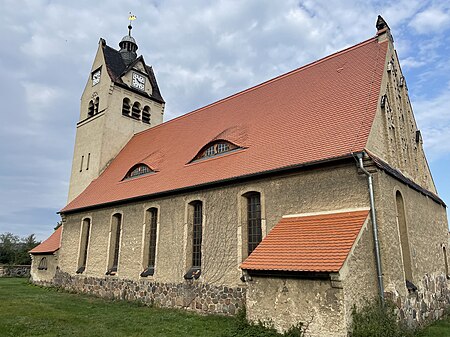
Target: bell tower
(121, 98)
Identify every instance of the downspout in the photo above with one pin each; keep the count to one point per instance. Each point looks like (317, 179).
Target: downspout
(373, 217)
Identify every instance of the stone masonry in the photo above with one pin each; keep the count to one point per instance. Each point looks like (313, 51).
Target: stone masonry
(14, 271)
(199, 297)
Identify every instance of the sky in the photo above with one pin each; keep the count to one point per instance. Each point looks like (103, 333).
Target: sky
(201, 51)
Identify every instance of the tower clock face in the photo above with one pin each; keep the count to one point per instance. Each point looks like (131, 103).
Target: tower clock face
(96, 77)
(138, 81)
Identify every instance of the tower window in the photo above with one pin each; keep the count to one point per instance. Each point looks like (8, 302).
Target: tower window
(81, 165)
(96, 103)
(138, 170)
(136, 110)
(88, 160)
(126, 106)
(91, 109)
(146, 114)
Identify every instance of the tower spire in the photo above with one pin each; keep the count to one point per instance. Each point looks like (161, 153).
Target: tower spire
(131, 18)
(128, 44)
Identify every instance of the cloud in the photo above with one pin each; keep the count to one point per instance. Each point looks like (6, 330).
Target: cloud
(433, 117)
(201, 51)
(431, 20)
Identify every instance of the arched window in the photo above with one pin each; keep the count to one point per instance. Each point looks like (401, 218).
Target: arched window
(146, 114)
(91, 109)
(114, 248)
(43, 264)
(138, 170)
(136, 110)
(126, 106)
(96, 103)
(84, 245)
(215, 148)
(195, 219)
(151, 223)
(254, 230)
(403, 230)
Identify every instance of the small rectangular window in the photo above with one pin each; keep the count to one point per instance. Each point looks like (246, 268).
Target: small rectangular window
(81, 165)
(88, 160)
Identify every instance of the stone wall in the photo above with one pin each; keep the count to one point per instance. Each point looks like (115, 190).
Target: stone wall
(14, 271)
(426, 304)
(189, 295)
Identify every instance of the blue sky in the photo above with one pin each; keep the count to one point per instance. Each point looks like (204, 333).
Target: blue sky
(201, 51)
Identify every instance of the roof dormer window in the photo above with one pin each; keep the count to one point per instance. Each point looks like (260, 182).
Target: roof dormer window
(215, 148)
(138, 170)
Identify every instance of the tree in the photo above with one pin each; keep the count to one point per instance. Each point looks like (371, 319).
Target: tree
(14, 250)
(8, 248)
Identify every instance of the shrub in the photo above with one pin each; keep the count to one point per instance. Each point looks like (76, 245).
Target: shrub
(377, 320)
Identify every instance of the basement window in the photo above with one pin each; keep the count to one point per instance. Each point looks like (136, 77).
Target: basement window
(138, 170)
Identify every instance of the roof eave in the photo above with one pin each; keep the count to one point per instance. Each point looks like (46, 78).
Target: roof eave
(216, 183)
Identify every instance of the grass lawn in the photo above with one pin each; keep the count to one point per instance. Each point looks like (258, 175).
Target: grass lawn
(28, 310)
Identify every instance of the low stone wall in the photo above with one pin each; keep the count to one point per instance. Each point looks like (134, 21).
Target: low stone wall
(426, 304)
(14, 271)
(189, 295)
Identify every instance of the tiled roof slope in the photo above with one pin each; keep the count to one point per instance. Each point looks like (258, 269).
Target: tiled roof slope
(320, 111)
(317, 243)
(51, 245)
(116, 68)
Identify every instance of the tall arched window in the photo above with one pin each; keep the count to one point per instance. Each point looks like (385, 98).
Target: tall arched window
(195, 219)
(136, 110)
(114, 249)
(254, 230)
(96, 103)
(403, 230)
(91, 109)
(126, 106)
(146, 114)
(151, 223)
(84, 245)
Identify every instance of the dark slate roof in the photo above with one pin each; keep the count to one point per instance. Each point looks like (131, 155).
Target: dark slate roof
(116, 68)
(398, 175)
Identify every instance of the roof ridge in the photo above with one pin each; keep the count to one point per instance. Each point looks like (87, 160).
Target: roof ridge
(276, 78)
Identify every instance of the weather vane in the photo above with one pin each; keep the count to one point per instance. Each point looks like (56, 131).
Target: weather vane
(131, 18)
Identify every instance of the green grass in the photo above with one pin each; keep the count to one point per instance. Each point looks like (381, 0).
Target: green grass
(28, 310)
(438, 329)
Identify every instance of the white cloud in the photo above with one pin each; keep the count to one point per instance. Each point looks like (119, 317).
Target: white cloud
(201, 51)
(431, 20)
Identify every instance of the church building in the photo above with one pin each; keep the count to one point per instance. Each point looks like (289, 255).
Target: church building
(297, 199)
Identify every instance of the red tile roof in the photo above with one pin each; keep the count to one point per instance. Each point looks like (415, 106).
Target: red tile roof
(51, 245)
(321, 111)
(316, 243)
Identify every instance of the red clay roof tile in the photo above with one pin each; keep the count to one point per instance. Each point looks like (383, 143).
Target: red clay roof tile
(321, 111)
(315, 243)
(51, 245)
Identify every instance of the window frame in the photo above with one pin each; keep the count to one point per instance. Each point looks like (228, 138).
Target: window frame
(150, 241)
(115, 242)
(83, 249)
